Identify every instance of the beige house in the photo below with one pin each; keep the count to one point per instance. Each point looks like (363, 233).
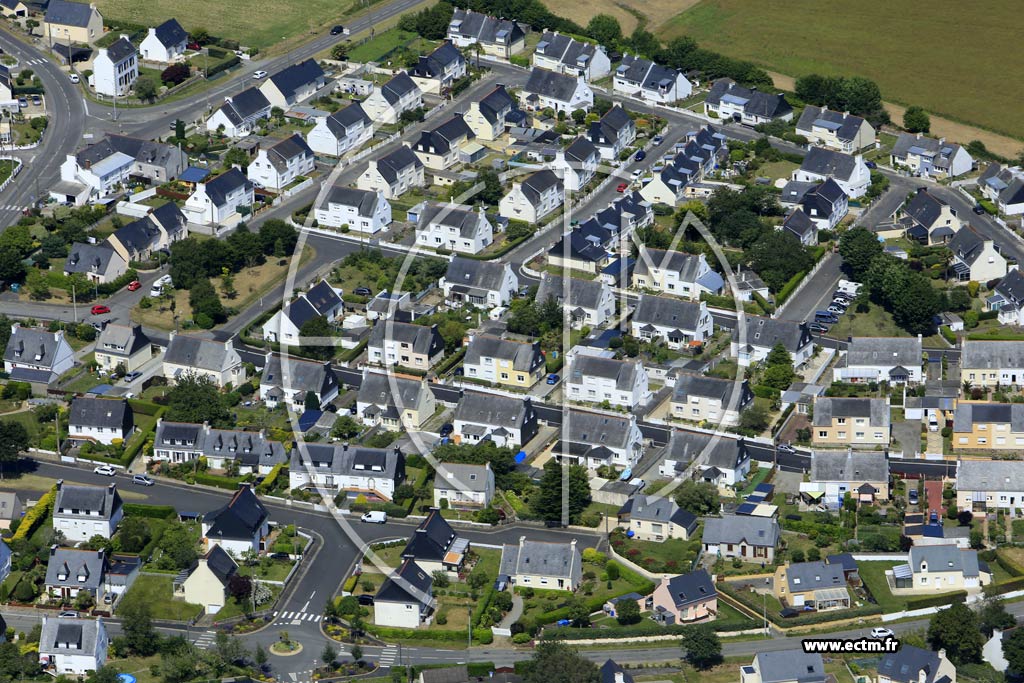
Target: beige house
(123, 345)
(841, 131)
(988, 363)
(486, 117)
(811, 584)
(850, 422)
(542, 564)
(405, 345)
(709, 399)
(985, 485)
(13, 8)
(394, 401)
(204, 357)
(207, 584)
(71, 22)
(988, 426)
(657, 519)
(938, 569)
(915, 665)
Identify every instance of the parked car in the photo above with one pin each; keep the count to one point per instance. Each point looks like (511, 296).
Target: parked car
(978, 209)
(636, 174)
(37, 100)
(365, 600)
(658, 139)
(552, 378)
(259, 74)
(640, 155)
(785, 448)
(374, 517)
(22, 101)
(100, 309)
(337, 30)
(105, 470)
(621, 187)
(871, 164)
(820, 328)
(134, 285)
(142, 480)
(446, 429)
(74, 78)
(912, 495)
(838, 310)
(132, 376)
(69, 614)
(362, 291)
(882, 632)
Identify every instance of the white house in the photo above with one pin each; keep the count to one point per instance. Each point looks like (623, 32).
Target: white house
(289, 381)
(930, 157)
(435, 73)
(393, 174)
(675, 272)
(356, 471)
(762, 334)
(345, 130)
(533, 198)
(320, 300)
(277, 166)
(987, 485)
(294, 84)
(393, 343)
(675, 322)
(217, 201)
(613, 132)
(100, 263)
(455, 228)
(841, 131)
(589, 302)
(484, 284)
(240, 114)
(498, 37)
(386, 103)
(464, 486)
(568, 55)
(166, 43)
(576, 164)
(506, 420)
(552, 90)
(729, 100)
(37, 356)
(81, 512)
(709, 399)
(975, 257)
(100, 420)
(191, 355)
(405, 599)
(747, 537)
(896, 360)
(594, 379)
(825, 204)
(115, 68)
(1004, 187)
(989, 363)
(363, 210)
(239, 525)
(643, 78)
(594, 439)
(849, 172)
(72, 647)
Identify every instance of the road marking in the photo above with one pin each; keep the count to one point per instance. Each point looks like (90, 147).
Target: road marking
(293, 676)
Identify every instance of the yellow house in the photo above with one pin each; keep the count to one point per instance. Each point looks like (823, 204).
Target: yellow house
(13, 8)
(988, 426)
(207, 583)
(812, 584)
(503, 361)
(850, 422)
(72, 22)
(939, 569)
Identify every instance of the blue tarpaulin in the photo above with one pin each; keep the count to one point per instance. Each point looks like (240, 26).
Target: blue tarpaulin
(520, 457)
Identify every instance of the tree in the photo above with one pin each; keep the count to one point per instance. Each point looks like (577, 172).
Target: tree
(145, 88)
(916, 119)
(13, 441)
(137, 626)
(179, 129)
(239, 587)
(357, 653)
(174, 74)
(547, 503)
(644, 42)
(227, 650)
(11, 267)
(205, 303)
(441, 579)
(627, 611)
(777, 256)
(236, 157)
(754, 419)
(312, 328)
(605, 29)
(345, 428)
(177, 547)
(328, 655)
(701, 647)
(698, 498)
(195, 398)
(958, 630)
(579, 613)
(133, 535)
(104, 674)
(992, 615)
(339, 52)
(311, 401)
(859, 247)
(555, 662)
(348, 606)
(1013, 651)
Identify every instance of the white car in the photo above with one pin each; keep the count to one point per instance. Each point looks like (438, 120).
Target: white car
(259, 74)
(106, 470)
(73, 78)
(882, 632)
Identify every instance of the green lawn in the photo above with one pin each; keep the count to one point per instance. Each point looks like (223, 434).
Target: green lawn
(873, 576)
(275, 570)
(383, 43)
(157, 591)
(803, 39)
(877, 322)
(777, 169)
(233, 608)
(673, 555)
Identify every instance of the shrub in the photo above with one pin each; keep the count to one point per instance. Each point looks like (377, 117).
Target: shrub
(521, 638)
(39, 513)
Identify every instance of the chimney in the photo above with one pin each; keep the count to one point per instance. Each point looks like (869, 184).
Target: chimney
(398, 451)
(60, 483)
(922, 676)
(572, 544)
(112, 487)
(344, 447)
(152, 31)
(522, 541)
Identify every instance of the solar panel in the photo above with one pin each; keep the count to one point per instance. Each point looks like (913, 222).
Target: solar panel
(746, 509)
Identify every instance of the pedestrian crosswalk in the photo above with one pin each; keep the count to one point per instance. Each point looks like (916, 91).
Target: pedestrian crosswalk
(11, 207)
(388, 655)
(298, 617)
(206, 639)
(33, 62)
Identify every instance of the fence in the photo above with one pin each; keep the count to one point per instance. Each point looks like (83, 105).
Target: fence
(14, 173)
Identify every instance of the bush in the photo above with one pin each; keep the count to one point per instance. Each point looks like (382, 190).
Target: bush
(483, 636)
(150, 511)
(936, 600)
(39, 513)
(521, 638)
(268, 483)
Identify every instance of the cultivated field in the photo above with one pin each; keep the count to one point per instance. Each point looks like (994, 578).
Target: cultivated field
(654, 13)
(953, 59)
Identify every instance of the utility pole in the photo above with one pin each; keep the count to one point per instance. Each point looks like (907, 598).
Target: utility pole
(74, 302)
(469, 626)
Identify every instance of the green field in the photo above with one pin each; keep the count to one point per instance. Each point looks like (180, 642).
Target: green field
(897, 45)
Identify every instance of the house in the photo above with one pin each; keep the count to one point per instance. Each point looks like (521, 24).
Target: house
(500, 38)
(642, 78)
(70, 571)
(406, 345)
(219, 361)
(156, 231)
(394, 401)
(37, 356)
(611, 672)
(506, 421)
(614, 223)
(716, 401)
(727, 463)
(454, 228)
(677, 323)
(598, 439)
(240, 114)
(653, 518)
(483, 284)
(439, 147)
(251, 452)
(393, 174)
(589, 302)
(240, 525)
(570, 56)
(990, 485)
(115, 68)
(503, 361)
(534, 197)
(749, 283)
(940, 568)
(864, 475)
(541, 564)
(585, 248)
(760, 335)
(100, 420)
(675, 272)
(850, 422)
(595, 379)
(912, 664)
(386, 103)
(361, 210)
(928, 219)
(321, 300)
(166, 43)
(5, 551)
(613, 133)
(290, 380)
(849, 172)
(747, 537)
(548, 89)
(841, 131)
(815, 585)
(101, 168)
(345, 130)
(698, 157)
(11, 508)
(217, 201)
(975, 257)
(988, 426)
(72, 22)
(100, 263)
(576, 164)
(1008, 299)
(930, 157)
(684, 599)
(987, 364)
(785, 666)
(72, 646)
(373, 473)
(207, 582)
(81, 512)
(923, 531)
(435, 73)
(294, 84)
(799, 225)
(727, 99)
(464, 486)
(1004, 187)
(13, 8)
(434, 546)
(405, 599)
(896, 360)
(486, 116)
(825, 204)
(279, 165)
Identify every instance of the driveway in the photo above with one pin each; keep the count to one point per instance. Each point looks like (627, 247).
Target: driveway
(907, 433)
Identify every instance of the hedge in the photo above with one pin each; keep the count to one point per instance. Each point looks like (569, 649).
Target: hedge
(1006, 563)
(388, 633)
(145, 407)
(224, 66)
(230, 483)
(936, 600)
(948, 334)
(1009, 585)
(448, 363)
(350, 584)
(763, 391)
(789, 287)
(268, 483)
(149, 511)
(482, 605)
(108, 288)
(39, 513)
(988, 315)
(644, 628)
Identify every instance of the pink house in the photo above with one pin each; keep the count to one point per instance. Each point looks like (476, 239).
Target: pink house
(684, 598)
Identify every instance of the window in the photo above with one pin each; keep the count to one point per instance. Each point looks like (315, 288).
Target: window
(840, 420)
(822, 434)
(982, 440)
(963, 440)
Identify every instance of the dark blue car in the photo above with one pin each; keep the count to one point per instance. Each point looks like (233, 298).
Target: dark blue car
(640, 156)
(552, 379)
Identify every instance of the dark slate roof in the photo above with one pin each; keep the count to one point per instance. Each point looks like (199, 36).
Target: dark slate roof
(32, 346)
(766, 332)
(391, 164)
(494, 410)
(431, 539)
(171, 218)
(101, 412)
(487, 29)
(581, 150)
(144, 151)
(612, 672)
(844, 560)
(364, 200)
(551, 84)
(196, 352)
(245, 104)
(122, 340)
(347, 117)
(220, 187)
(580, 247)
(104, 500)
(692, 588)
(667, 312)
(68, 13)
(799, 224)
(1011, 287)
(687, 265)
(658, 509)
(790, 665)
(711, 387)
(352, 461)
(140, 235)
(875, 409)
(969, 414)
(925, 208)
(399, 86)
(80, 568)
(537, 183)
(409, 583)
(485, 275)
(624, 372)
(220, 563)
(435, 64)
(756, 102)
(323, 297)
(735, 529)
(386, 389)
(845, 125)
(904, 665)
(450, 674)
(299, 375)
(170, 33)
(525, 356)
(495, 102)
(240, 518)
(297, 76)
(582, 293)
(827, 162)
(82, 632)
(90, 258)
(439, 140)
(633, 68)
(285, 150)
(420, 338)
(814, 575)
(120, 50)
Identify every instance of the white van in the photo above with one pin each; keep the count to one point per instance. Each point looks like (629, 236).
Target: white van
(496, 313)
(374, 517)
(850, 287)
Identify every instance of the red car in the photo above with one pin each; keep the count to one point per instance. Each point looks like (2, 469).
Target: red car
(100, 309)
(133, 285)
(622, 187)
